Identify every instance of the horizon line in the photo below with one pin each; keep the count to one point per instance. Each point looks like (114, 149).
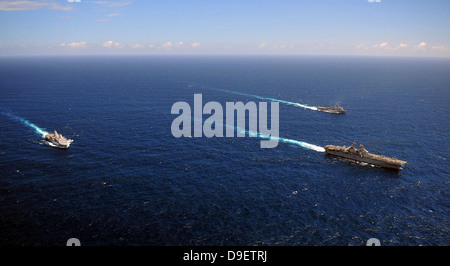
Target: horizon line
(222, 55)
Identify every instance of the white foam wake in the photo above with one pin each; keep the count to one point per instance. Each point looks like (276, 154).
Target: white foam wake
(285, 140)
(272, 99)
(37, 129)
(303, 144)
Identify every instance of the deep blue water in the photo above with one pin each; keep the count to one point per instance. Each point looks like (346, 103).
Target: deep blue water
(127, 181)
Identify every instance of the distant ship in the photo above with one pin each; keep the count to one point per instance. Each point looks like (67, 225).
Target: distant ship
(57, 140)
(362, 155)
(337, 109)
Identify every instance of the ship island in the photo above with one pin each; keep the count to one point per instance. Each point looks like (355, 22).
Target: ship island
(57, 140)
(362, 155)
(337, 109)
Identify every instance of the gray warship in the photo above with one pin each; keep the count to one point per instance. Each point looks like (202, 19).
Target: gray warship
(337, 109)
(57, 140)
(362, 155)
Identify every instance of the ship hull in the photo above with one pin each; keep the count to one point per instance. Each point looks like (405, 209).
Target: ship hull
(368, 160)
(57, 141)
(57, 145)
(331, 111)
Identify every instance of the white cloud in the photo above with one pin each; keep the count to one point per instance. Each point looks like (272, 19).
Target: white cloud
(421, 46)
(195, 44)
(279, 46)
(77, 44)
(441, 48)
(112, 3)
(262, 45)
(109, 17)
(32, 5)
(384, 45)
(362, 46)
(405, 48)
(169, 45)
(109, 44)
(74, 45)
(137, 46)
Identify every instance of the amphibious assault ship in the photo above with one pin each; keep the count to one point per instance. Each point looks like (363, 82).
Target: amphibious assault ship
(362, 155)
(57, 140)
(337, 109)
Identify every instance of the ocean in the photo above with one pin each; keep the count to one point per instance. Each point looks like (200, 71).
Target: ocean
(127, 181)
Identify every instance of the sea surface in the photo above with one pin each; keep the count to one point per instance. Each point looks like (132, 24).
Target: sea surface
(126, 180)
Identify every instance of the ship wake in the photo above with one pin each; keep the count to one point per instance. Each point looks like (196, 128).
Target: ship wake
(27, 123)
(271, 99)
(302, 144)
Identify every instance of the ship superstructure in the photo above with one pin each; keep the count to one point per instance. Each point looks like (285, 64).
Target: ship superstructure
(337, 109)
(57, 140)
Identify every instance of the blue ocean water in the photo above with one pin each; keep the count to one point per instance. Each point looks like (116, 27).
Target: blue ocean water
(127, 181)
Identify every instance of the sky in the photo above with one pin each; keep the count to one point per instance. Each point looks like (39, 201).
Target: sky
(419, 28)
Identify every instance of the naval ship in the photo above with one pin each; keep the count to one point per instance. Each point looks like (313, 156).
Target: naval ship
(57, 140)
(337, 109)
(362, 155)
